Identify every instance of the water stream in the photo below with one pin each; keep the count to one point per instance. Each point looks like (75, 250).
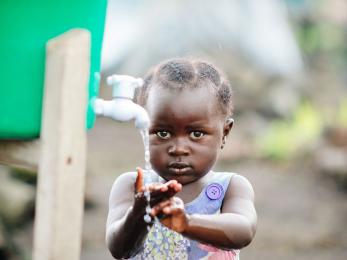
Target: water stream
(147, 176)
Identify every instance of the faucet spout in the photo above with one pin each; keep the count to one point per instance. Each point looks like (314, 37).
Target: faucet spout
(122, 109)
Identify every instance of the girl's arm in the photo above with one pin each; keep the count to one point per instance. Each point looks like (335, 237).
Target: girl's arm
(125, 228)
(234, 228)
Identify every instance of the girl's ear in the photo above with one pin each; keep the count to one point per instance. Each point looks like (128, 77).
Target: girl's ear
(229, 122)
(226, 130)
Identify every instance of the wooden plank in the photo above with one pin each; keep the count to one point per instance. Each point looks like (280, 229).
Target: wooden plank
(60, 192)
(20, 154)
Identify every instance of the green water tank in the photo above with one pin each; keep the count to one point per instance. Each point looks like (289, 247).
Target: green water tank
(26, 26)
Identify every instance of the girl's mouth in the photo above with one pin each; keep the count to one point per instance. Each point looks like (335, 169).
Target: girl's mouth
(179, 168)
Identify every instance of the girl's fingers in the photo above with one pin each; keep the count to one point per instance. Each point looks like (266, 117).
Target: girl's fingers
(171, 206)
(158, 197)
(158, 191)
(167, 210)
(172, 210)
(178, 202)
(170, 185)
(174, 185)
(157, 209)
(178, 187)
(139, 180)
(163, 187)
(157, 187)
(161, 192)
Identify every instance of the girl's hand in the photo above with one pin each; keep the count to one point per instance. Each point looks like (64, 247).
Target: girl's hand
(158, 192)
(172, 214)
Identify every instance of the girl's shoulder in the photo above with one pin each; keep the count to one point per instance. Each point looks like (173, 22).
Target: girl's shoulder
(232, 182)
(126, 177)
(221, 177)
(124, 182)
(238, 187)
(229, 177)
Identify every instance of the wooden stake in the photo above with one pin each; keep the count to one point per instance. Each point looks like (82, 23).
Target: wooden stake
(61, 179)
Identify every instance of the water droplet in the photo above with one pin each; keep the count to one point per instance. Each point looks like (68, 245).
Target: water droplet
(146, 193)
(147, 218)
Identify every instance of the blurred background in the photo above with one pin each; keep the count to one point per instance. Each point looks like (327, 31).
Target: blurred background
(287, 61)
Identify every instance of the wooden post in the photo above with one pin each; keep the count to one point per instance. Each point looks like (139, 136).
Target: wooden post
(61, 179)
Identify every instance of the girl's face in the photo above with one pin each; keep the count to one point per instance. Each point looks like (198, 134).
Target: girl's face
(186, 132)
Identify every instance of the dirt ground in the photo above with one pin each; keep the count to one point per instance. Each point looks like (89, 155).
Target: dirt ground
(302, 215)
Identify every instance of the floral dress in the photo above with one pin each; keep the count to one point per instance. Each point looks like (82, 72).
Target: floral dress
(163, 243)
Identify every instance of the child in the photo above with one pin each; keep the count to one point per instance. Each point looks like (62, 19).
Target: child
(203, 214)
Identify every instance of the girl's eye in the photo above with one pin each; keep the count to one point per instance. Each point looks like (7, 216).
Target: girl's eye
(196, 134)
(163, 134)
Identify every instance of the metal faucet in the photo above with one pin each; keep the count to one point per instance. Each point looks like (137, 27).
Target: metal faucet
(121, 107)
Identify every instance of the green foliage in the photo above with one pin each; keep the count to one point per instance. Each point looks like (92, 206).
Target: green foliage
(317, 38)
(285, 137)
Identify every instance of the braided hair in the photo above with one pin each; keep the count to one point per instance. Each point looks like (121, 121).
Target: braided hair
(184, 73)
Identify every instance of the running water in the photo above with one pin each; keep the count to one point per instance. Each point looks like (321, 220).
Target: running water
(147, 175)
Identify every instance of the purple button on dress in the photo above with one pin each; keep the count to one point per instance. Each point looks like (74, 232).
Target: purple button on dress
(214, 191)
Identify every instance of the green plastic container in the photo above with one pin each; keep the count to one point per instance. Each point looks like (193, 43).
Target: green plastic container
(26, 26)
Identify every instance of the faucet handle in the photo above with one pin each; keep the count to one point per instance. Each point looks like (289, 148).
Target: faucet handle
(123, 85)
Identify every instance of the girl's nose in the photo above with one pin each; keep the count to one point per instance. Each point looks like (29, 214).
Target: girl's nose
(178, 147)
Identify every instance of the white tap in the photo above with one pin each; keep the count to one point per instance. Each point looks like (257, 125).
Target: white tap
(121, 107)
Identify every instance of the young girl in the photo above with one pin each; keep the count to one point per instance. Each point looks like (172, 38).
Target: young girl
(203, 214)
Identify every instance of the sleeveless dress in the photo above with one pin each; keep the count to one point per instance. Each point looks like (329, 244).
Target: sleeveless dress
(163, 243)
